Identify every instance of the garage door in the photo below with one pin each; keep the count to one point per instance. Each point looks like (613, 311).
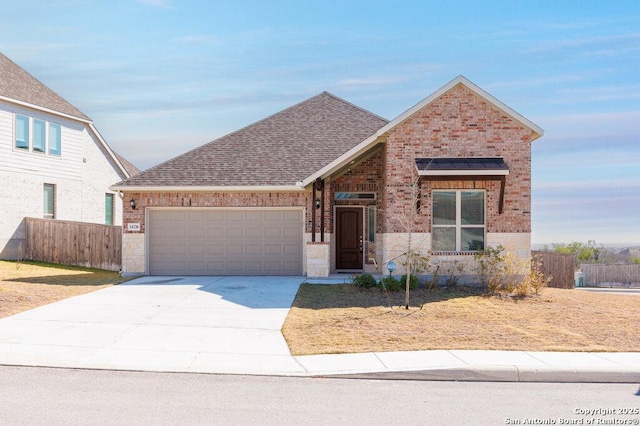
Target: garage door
(225, 242)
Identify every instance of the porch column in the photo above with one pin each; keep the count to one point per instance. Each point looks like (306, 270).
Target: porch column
(318, 259)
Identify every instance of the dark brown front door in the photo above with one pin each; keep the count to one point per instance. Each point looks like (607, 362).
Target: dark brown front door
(349, 238)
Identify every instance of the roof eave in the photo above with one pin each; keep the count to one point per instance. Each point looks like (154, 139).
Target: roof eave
(43, 109)
(237, 188)
(344, 159)
(107, 148)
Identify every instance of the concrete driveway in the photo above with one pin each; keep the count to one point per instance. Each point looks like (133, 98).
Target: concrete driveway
(197, 324)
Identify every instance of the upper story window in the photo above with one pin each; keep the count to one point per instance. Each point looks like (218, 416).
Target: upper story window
(458, 220)
(55, 139)
(39, 140)
(22, 132)
(35, 135)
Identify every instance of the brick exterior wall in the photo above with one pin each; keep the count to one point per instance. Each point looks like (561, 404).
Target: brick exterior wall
(209, 199)
(459, 124)
(365, 177)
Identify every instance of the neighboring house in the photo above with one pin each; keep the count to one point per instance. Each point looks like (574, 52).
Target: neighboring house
(53, 162)
(324, 186)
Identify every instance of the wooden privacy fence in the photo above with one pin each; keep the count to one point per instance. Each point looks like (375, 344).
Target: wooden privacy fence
(598, 274)
(74, 243)
(559, 266)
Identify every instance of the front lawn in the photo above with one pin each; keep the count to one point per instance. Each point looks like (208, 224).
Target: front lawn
(348, 319)
(27, 285)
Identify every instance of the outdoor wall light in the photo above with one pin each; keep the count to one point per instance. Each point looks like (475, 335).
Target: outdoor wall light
(133, 203)
(317, 203)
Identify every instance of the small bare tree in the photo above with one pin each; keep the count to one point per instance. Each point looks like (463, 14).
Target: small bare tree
(406, 217)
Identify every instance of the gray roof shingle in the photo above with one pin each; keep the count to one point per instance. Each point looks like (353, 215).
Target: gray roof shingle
(18, 84)
(279, 150)
(128, 166)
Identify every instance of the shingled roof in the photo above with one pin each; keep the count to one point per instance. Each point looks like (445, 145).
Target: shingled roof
(128, 166)
(17, 84)
(279, 150)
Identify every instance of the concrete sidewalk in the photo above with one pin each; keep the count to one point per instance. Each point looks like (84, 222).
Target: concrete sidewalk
(231, 325)
(503, 366)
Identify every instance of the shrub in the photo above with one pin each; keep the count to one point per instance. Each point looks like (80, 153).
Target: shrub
(413, 282)
(536, 279)
(365, 281)
(508, 274)
(489, 267)
(391, 284)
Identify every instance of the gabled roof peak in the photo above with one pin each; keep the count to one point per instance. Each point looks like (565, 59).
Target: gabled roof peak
(537, 131)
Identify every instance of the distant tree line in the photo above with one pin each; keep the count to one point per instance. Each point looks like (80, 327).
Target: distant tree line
(591, 252)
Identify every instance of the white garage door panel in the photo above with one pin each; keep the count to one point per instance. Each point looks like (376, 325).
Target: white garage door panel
(225, 242)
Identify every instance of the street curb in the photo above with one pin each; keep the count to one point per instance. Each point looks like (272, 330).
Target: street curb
(504, 374)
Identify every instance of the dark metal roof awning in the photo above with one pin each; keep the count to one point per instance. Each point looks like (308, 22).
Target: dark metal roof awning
(461, 166)
(465, 169)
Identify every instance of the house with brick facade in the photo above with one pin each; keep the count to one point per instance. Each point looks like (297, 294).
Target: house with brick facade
(53, 162)
(325, 186)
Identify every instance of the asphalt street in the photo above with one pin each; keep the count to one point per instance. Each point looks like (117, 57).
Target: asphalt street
(45, 396)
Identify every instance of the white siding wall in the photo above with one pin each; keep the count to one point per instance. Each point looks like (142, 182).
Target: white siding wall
(82, 175)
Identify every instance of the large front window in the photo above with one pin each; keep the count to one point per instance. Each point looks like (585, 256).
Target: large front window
(458, 220)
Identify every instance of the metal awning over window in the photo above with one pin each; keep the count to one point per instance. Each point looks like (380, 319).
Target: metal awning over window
(465, 169)
(461, 166)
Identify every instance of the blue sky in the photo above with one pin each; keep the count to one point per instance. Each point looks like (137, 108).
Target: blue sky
(159, 77)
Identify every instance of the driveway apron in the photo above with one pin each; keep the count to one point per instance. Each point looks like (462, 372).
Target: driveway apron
(189, 324)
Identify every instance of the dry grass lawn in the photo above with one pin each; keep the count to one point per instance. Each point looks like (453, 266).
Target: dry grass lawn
(346, 319)
(27, 285)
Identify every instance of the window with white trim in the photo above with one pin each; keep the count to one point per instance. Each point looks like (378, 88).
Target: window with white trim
(39, 139)
(22, 132)
(36, 135)
(458, 220)
(49, 204)
(55, 139)
(108, 209)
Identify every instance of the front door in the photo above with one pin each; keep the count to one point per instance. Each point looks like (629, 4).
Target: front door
(349, 245)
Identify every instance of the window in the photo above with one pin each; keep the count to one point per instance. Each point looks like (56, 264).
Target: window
(55, 139)
(22, 132)
(371, 215)
(458, 221)
(39, 135)
(371, 234)
(108, 209)
(35, 135)
(49, 206)
(355, 196)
